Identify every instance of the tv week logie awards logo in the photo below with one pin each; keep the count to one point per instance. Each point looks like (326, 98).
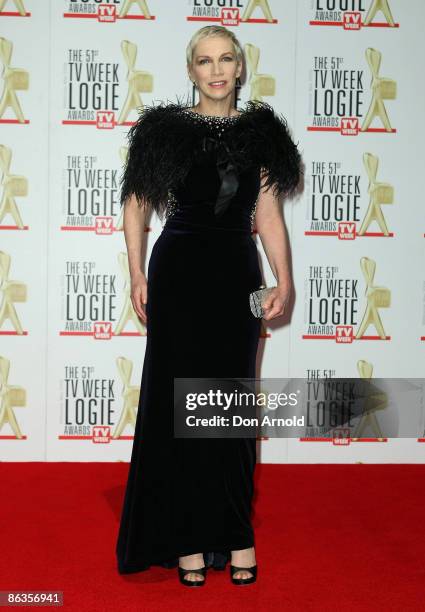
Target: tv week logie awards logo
(342, 307)
(344, 204)
(352, 15)
(230, 13)
(108, 12)
(348, 99)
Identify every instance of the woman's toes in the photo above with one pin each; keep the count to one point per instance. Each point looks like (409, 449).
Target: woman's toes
(242, 575)
(192, 562)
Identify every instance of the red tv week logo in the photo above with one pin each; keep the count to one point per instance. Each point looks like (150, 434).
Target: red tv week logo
(230, 17)
(101, 434)
(344, 334)
(341, 436)
(105, 120)
(352, 20)
(349, 126)
(102, 330)
(106, 13)
(346, 230)
(104, 225)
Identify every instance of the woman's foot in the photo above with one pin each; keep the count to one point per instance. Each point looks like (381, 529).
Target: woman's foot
(193, 562)
(243, 558)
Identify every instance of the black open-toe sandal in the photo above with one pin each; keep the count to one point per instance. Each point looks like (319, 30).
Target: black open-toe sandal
(182, 573)
(250, 580)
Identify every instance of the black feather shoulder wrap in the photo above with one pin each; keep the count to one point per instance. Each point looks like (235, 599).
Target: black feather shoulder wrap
(164, 142)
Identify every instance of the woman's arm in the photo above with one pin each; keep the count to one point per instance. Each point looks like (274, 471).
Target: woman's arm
(271, 228)
(134, 231)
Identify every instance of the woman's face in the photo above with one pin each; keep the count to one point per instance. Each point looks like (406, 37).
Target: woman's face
(214, 67)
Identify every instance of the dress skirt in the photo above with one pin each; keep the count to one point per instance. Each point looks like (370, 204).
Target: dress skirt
(191, 495)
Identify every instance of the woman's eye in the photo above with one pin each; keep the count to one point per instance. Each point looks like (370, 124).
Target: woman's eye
(228, 58)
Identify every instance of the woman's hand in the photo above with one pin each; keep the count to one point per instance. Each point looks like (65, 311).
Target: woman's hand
(274, 305)
(139, 294)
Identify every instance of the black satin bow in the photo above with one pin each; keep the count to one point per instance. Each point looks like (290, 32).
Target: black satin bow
(226, 170)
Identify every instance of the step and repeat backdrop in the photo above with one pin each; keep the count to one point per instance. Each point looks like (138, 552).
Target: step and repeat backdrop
(347, 75)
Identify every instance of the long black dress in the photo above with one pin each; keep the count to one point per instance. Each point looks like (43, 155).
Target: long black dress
(186, 496)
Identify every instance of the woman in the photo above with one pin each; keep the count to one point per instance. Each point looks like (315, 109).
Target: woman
(210, 169)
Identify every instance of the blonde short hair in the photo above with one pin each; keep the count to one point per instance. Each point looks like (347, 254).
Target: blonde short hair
(208, 31)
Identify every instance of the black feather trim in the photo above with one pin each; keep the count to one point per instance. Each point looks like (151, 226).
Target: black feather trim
(264, 139)
(164, 142)
(157, 155)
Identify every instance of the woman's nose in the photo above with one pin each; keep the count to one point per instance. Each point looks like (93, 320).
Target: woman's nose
(217, 70)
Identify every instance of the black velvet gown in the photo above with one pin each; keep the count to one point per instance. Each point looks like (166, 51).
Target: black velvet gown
(186, 496)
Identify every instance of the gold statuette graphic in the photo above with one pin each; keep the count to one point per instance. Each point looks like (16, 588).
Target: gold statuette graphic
(261, 84)
(128, 313)
(379, 193)
(13, 79)
(11, 397)
(130, 395)
(19, 6)
(127, 4)
(138, 81)
(382, 89)
(10, 292)
(377, 297)
(250, 7)
(384, 7)
(13, 186)
(379, 401)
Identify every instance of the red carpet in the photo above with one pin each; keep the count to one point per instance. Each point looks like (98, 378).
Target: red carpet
(346, 537)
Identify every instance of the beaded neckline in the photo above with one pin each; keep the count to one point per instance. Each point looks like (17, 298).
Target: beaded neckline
(213, 117)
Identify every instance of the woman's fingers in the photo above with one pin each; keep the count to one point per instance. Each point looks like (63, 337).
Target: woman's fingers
(275, 309)
(139, 296)
(274, 305)
(136, 301)
(144, 293)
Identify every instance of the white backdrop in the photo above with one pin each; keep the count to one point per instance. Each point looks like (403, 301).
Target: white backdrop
(346, 75)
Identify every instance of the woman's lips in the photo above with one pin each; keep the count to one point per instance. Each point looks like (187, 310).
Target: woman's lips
(217, 84)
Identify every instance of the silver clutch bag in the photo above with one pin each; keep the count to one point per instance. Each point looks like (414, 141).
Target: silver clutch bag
(257, 299)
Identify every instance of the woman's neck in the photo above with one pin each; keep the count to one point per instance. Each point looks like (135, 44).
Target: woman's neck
(219, 109)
